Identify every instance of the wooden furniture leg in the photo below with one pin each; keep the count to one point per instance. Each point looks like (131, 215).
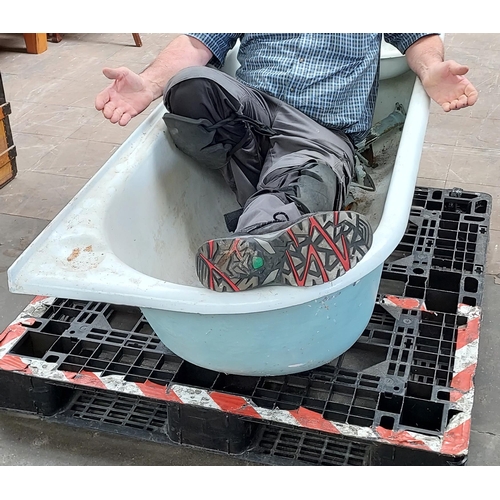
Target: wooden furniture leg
(54, 37)
(137, 39)
(36, 43)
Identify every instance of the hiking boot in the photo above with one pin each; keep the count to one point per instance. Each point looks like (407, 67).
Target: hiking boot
(312, 250)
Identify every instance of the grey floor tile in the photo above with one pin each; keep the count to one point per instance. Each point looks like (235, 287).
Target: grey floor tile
(486, 409)
(432, 183)
(29, 441)
(147, 53)
(55, 91)
(76, 158)
(16, 233)
(470, 56)
(31, 148)
(486, 80)
(484, 449)
(39, 195)
(475, 166)
(15, 60)
(490, 41)
(99, 129)
(19, 87)
(435, 109)
(101, 46)
(487, 105)
(479, 133)
(20, 110)
(78, 64)
(435, 161)
(493, 260)
(53, 120)
(444, 129)
(81, 70)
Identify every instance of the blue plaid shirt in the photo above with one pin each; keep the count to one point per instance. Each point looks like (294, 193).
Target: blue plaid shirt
(330, 77)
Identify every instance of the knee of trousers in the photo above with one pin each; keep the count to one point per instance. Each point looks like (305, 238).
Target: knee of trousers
(315, 195)
(189, 97)
(313, 187)
(200, 92)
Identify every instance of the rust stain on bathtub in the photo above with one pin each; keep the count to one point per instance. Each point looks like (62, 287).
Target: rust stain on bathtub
(76, 252)
(73, 255)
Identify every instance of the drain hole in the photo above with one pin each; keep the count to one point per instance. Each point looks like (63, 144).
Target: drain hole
(422, 414)
(387, 422)
(390, 403)
(470, 301)
(439, 301)
(471, 285)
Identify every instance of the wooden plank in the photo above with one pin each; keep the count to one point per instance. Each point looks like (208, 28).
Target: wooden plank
(36, 43)
(6, 140)
(4, 144)
(8, 156)
(7, 172)
(4, 110)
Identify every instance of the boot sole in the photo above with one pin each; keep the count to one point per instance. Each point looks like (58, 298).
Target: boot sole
(315, 249)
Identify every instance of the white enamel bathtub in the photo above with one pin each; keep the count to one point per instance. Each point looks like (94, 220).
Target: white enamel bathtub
(130, 236)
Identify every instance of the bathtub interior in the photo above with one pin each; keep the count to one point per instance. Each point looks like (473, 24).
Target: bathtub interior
(170, 205)
(166, 209)
(130, 235)
(392, 92)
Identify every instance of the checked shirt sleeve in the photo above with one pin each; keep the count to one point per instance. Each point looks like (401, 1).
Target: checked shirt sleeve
(218, 43)
(403, 40)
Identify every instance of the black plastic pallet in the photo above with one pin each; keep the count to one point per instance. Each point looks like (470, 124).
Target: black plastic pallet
(401, 395)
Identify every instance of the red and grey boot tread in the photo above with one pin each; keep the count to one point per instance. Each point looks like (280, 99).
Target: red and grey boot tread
(315, 249)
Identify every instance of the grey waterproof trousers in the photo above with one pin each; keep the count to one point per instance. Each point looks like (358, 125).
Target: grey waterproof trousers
(274, 158)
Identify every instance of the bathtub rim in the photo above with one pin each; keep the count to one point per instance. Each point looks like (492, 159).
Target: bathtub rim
(24, 275)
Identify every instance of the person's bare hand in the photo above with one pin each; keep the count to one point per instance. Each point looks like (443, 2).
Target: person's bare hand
(125, 98)
(446, 84)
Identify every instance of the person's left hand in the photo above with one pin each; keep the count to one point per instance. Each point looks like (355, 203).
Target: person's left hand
(446, 84)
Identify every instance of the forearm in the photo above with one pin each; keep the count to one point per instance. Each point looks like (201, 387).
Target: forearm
(183, 52)
(425, 52)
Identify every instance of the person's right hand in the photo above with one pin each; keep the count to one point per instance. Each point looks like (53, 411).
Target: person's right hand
(126, 97)
(445, 83)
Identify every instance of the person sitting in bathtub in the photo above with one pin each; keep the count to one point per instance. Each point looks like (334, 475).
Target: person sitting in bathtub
(283, 134)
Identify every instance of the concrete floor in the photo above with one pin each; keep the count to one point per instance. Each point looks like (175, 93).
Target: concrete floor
(62, 141)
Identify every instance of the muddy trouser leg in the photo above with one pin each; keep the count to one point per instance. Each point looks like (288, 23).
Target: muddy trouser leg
(306, 164)
(275, 158)
(220, 123)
